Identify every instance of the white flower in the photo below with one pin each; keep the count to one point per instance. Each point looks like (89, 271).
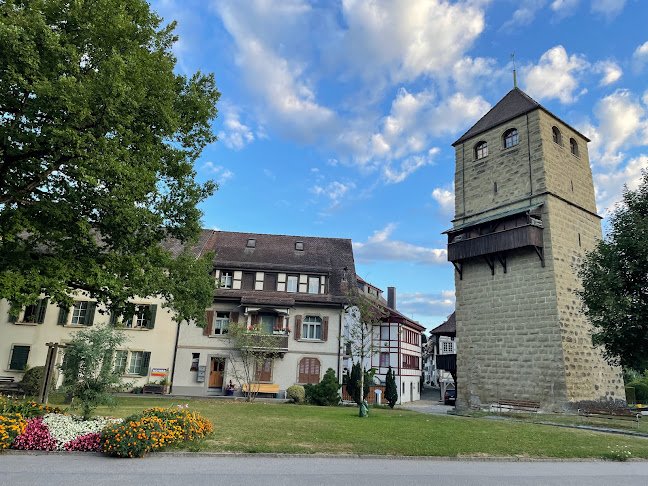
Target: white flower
(65, 428)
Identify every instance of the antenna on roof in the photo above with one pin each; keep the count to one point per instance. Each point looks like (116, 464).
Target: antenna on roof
(514, 73)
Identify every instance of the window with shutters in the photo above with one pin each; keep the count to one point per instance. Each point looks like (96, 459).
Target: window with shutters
(121, 358)
(144, 317)
(312, 328)
(309, 370)
(313, 285)
(83, 313)
(267, 323)
(264, 371)
(221, 322)
(226, 280)
(32, 314)
(291, 283)
(135, 363)
(19, 357)
(79, 313)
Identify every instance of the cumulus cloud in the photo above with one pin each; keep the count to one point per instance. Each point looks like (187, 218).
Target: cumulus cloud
(564, 8)
(236, 135)
(621, 121)
(610, 70)
(524, 15)
(640, 56)
(609, 8)
(380, 247)
(221, 173)
(446, 199)
(335, 192)
(609, 185)
(427, 303)
(555, 76)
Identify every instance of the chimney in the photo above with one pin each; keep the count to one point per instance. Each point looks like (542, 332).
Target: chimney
(391, 297)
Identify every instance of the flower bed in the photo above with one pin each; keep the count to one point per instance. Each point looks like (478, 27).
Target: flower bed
(27, 409)
(11, 425)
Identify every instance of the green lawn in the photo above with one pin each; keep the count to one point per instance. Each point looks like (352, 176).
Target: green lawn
(285, 428)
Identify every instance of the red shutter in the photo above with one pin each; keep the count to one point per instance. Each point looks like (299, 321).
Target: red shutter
(315, 370)
(324, 328)
(255, 320)
(280, 320)
(298, 323)
(302, 378)
(234, 316)
(209, 328)
(309, 370)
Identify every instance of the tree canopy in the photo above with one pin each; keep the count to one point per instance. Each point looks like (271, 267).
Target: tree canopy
(615, 283)
(98, 139)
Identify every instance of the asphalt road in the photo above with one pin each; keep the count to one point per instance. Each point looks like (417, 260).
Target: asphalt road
(95, 470)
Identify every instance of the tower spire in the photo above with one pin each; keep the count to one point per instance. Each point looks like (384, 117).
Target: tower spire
(514, 73)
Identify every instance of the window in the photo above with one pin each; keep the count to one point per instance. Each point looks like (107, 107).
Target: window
(136, 361)
(144, 317)
(268, 323)
(557, 137)
(195, 358)
(309, 370)
(447, 347)
(481, 150)
(384, 360)
(32, 313)
(384, 332)
(79, 313)
(251, 243)
(313, 285)
(299, 246)
(573, 147)
(410, 362)
(221, 323)
(291, 284)
(510, 138)
(312, 328)
(226, 280)
(19, 357)
(121, 358)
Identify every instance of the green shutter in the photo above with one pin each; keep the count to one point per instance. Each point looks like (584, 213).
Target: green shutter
(19, 358)
(146, 360)
(64, 312)
(41, 309)
(113, 319)
(90, 313)
(151, 317)
(12, 318)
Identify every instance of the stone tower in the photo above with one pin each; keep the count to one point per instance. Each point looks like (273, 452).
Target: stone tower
(524, 216)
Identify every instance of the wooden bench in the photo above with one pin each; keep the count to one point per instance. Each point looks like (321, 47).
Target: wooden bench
(261, 388)
(518, 405)
(611, 413)
(8, 384)
(153, 388)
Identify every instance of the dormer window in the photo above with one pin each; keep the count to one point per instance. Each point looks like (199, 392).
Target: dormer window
(299, 246)
(481, 150)
(573, 147)
(557, 137)
(251, 243)
(510, 138)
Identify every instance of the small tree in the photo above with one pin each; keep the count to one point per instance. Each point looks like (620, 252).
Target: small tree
(362, 314)
(326, 392)
(88, 368)
(254, 348)
(355, 383)
(391, 390)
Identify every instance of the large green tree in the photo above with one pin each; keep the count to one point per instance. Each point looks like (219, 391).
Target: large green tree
(615, 283)
(98, 139)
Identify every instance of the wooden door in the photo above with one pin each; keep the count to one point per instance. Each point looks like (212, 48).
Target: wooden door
(216, 373)
(264, 371)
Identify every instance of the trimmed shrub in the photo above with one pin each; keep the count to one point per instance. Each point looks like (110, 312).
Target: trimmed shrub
(641, 391)
(325, 392)
(391, 390)
(32, 380)
(296, 393)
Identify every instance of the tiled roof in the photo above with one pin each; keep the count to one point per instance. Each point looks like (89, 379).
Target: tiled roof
(514, 104)
(448, 328)
(176, 247)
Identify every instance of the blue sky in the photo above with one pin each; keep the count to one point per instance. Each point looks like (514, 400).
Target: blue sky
(337, 117)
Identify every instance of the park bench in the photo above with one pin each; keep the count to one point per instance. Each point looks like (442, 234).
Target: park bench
(261, 388)
(506, 405)
(8, 384)
(153, 388)
(611, 413)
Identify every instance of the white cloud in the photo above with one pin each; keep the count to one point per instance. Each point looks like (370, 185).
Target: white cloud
(640, 57)
(426, 303)
(472, 74)
(621, 120)
(335, 191)
(222, 174)
(555, 75)
(564, 8)
(609, 8)
(524, 15)
(609, 185)
(236, 135)
(610, 70)
(380, 247)
(408, 166)
(446, 199)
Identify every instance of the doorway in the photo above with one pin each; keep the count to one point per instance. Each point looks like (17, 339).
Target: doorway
(216, 373)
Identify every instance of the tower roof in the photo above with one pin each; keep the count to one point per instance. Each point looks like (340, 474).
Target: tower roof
(514, 104)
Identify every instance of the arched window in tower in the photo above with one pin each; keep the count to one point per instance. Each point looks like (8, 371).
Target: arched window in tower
(510, 137)
(557, 137)
(481, 150)
(573, 147)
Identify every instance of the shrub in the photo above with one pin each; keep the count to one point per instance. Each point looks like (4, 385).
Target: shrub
(36, 437)
(641, 391)
(326, 391)
(32, 380)
(296, 393)
(391, 390)
(11, 425)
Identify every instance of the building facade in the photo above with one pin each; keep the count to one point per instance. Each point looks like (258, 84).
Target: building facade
(525, 214)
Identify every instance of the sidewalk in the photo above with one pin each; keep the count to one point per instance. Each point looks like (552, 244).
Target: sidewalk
(430, 402)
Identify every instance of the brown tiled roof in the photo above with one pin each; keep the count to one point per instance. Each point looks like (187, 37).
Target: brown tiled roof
(176, 247)
(332, 257)
(448, 328)
(514, 104)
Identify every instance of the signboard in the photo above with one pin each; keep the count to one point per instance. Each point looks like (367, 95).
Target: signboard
(159, 372)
